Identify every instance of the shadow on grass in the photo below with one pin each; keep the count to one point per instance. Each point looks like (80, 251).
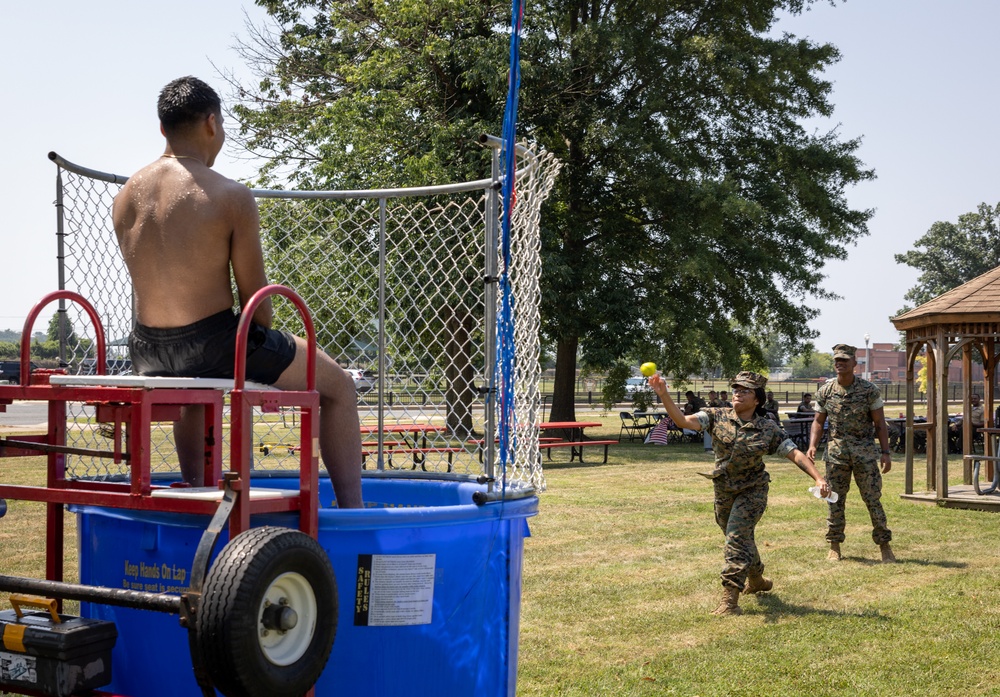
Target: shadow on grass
(555, 465)
(864, 561)
(775, 608)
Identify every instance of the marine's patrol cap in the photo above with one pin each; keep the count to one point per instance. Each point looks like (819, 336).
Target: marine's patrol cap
(844, 351)
(749, 379)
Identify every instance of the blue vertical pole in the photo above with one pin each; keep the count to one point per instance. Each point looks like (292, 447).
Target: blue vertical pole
(506, 360)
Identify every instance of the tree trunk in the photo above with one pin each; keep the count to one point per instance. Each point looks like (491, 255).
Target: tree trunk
(459, 375)
(564, 392)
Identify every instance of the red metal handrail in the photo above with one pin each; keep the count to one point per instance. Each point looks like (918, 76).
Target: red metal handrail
(29, 324)
(243, 332)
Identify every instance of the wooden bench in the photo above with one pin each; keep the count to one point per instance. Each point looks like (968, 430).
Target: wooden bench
(542, 439)
(267, 448)
(576, 447)
(419, 455)
(480, 443)
(798, 430)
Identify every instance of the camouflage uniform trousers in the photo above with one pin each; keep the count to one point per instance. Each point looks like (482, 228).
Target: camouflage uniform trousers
(862, 460)
(737, 513)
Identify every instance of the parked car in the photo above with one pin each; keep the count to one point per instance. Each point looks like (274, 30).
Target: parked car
(364, 380)
(633, 385)
(10, 371)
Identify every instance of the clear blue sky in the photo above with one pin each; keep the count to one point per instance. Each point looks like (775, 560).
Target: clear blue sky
(918, 81)
(84, 83)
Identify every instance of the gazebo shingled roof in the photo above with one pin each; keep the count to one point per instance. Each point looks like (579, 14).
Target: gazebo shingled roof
(977, 300)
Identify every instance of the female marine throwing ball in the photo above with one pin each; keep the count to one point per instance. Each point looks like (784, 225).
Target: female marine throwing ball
(741, 436)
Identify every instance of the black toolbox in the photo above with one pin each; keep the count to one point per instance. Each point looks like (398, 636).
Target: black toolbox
(39, 654)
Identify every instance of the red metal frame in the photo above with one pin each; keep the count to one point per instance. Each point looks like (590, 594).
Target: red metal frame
(139, 407)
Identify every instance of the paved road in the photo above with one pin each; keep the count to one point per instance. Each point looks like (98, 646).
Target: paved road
(36, 413)
(25, 414)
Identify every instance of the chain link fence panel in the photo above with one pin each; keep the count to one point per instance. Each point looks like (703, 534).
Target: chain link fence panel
(398, 286)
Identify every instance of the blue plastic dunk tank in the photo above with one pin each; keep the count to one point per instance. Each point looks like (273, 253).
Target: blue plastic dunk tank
(429, 585)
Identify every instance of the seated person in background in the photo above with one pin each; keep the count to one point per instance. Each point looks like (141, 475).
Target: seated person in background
(771, 407)
(181, 228)
(977, 416)
(955, 433)
(977, 412)
(713, 398)
(724, 400)
(806, 406)
(694, 403)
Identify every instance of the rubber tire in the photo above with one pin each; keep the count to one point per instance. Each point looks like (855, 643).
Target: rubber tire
(228, 632)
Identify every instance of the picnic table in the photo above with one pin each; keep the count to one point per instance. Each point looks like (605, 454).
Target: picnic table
(655, 415)
(897, 434)
(800, 429)
(417, 431)
(415, 445)
(573, 428)
(574, 439)
(991, 460)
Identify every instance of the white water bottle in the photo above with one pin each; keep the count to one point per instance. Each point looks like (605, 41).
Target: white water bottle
(832, 498)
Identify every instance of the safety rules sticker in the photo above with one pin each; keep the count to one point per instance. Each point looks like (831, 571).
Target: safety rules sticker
(394, 590)
(17, 668)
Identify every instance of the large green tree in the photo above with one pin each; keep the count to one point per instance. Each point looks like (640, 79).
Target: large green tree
(950, 254)
(694, 212)
(813, 365)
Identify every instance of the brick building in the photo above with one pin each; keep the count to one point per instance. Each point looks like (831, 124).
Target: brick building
(889, 365)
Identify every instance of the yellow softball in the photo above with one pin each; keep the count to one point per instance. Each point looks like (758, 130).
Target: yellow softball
(647, 369)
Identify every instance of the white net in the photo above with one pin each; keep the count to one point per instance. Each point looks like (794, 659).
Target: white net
(397, 288)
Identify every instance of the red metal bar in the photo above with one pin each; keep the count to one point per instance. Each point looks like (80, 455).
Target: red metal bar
(138, 407)
(125, 500)
(241, 400)
(243, 333)
(29, 324)
(54, 516)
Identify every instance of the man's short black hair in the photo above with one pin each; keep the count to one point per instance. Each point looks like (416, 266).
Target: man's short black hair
(186, 101)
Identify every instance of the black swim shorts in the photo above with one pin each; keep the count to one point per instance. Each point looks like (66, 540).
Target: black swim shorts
(207, 349)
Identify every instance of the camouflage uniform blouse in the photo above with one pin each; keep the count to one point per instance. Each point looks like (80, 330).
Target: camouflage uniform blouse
(740, 447)
(849, 409)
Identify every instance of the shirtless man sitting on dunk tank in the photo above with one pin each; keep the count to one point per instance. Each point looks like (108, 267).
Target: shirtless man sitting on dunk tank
(181, 226)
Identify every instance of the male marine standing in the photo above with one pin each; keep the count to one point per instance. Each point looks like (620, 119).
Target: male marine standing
(854, 407)
(181, 228)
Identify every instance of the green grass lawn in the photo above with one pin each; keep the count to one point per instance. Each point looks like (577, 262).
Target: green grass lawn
(622, 571)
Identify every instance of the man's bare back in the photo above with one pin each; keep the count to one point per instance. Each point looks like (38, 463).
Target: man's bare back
(179, 225)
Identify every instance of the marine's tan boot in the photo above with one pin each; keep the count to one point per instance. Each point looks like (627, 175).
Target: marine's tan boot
(887, 556)
(834, 553)
(757, 584)
(730, 604)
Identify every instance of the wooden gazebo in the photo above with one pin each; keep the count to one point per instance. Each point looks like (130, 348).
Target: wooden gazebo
(953, 325)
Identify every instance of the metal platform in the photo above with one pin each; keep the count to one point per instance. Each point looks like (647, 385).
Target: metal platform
(150, 383)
